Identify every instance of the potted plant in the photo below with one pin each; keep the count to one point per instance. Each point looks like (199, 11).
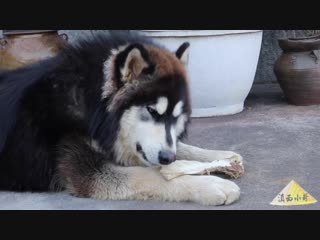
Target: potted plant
(298, 68)
(222, 66)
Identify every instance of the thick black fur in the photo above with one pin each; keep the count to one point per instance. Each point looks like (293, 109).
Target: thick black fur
(43, 105)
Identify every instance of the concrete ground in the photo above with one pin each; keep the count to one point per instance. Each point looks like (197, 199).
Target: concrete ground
(279, 143)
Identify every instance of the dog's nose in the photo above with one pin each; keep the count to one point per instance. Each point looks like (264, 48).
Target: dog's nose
(166, 157)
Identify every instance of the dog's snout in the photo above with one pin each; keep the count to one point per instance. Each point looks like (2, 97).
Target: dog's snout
(166, 157)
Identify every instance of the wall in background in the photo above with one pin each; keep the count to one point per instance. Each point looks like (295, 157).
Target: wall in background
(269, 53)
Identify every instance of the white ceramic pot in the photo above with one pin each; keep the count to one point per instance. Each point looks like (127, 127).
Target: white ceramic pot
(222, 66)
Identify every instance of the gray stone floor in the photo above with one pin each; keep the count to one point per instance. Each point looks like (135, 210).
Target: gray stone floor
(279, 143)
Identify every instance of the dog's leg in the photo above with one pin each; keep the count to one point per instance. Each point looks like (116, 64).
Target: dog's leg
(187, 152)
(87, 173)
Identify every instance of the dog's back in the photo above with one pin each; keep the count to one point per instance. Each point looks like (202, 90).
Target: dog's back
(41, 103)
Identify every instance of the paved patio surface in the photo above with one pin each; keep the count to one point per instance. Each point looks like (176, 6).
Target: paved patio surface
(279, 143)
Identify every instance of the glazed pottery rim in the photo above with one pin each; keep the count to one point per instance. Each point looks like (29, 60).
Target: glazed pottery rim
(300, 44)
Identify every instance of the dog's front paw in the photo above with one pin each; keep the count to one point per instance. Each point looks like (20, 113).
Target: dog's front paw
(210, 156)
(215, 191)
(211, 190)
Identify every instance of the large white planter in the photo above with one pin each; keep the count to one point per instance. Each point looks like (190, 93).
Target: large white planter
(222, 66)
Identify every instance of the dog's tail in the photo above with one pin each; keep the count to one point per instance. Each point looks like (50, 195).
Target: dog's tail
(13, 85)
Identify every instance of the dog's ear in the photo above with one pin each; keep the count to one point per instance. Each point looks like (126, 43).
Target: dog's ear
(183, 53)
(132, 62)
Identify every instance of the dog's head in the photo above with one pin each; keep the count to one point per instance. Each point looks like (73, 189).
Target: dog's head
(149, 86)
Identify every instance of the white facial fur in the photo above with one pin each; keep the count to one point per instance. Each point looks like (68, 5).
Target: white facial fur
(180, 125)
(138, 126)
(162, 105)
(177, 109)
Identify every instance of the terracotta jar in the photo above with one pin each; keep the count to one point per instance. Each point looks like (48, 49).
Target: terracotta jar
(298, 70)
(22, 47)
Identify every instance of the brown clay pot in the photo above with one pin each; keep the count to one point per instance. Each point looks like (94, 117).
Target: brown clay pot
(298, 70)
(22, 47)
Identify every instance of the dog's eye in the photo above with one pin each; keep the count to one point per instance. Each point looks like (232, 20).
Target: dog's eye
(152, 111)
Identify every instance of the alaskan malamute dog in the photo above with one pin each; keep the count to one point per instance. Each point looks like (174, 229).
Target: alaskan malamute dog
(94, 119)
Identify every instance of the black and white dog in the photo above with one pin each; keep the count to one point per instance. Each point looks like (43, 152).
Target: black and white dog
(94, 119)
